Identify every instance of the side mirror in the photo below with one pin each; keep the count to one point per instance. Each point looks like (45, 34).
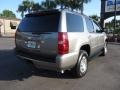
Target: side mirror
(100, 31)
(103, 31)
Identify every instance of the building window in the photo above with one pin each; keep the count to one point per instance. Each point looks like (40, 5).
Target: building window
(13, 25)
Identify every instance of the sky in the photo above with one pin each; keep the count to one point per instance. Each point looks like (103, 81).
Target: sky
(92, 8)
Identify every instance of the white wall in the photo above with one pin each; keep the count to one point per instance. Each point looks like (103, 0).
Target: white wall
(6, 29)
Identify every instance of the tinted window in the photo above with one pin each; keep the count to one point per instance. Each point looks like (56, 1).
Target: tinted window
(74, 23)
(89, 25)
(40, 23)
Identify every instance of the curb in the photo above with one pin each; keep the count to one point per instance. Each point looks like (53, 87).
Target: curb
(115, 43)
(7, 37)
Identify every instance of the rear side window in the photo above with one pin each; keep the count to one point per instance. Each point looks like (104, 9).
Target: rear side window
(89, 25)
(74, 23)
(40, 23)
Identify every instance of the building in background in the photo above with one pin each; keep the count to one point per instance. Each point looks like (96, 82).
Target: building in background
(8, 26)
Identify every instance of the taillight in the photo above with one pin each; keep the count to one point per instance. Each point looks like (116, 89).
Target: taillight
(16, 36)
(63, 43)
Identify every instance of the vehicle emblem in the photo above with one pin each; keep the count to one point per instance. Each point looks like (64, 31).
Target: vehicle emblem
(42, 42)
(29, 37)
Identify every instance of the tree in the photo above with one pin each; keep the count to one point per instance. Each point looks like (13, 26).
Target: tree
(21, 9)
(65, 4)
(28, 6)
(72, 4)
(7, 14)
(36, 7)
(96, 18)
(49, 4)
(24, 7)
(62, 3)
(110, 26)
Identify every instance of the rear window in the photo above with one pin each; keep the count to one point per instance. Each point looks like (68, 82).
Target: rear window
(40, 23)
(74, 23)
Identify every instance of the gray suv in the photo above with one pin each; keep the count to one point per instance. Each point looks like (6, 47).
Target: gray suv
(59, 40)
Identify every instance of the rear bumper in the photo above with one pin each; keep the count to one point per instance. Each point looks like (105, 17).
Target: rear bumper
(62, 62)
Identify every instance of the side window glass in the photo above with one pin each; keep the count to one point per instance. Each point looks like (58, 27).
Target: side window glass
(74, 23)
(89, 24)
(97, 28)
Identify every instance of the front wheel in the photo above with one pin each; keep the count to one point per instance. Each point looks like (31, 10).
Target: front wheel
(82, 65)
(105, 50)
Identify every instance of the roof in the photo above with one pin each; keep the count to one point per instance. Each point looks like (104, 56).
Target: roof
(55, 11)
(43, 12)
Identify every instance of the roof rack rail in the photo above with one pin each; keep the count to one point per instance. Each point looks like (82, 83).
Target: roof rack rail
(54, 10)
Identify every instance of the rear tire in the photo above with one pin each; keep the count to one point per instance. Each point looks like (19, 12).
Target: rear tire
(82, 65)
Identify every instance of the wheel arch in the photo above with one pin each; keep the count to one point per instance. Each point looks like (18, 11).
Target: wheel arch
(87, 48)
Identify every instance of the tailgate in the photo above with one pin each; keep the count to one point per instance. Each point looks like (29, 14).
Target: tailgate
(44, 44)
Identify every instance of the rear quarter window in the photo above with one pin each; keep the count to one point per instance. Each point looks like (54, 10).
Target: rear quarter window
(74, 23)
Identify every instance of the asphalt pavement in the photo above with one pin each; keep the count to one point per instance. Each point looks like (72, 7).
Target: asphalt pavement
(103, 72)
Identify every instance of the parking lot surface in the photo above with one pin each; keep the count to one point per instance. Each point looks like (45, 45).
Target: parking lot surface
(103, 73)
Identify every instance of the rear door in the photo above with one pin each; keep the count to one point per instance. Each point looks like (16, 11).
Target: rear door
(39, 34)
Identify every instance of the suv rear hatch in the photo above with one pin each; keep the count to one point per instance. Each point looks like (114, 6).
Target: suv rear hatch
(37, 35)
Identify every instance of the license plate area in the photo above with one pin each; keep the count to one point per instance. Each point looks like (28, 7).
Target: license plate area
(31, 44)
